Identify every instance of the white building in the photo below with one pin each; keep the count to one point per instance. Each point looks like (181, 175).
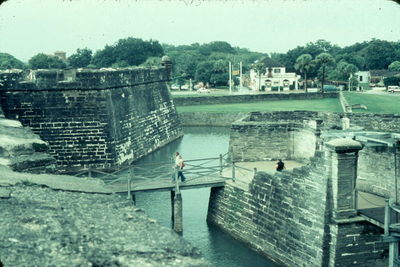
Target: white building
(275, 77)
(363, 78)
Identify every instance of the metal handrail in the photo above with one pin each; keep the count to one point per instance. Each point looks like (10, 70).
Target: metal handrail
(155, 173)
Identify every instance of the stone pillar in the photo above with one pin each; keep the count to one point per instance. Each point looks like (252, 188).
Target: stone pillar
(345, 123)
(178, 218)
(344, 156)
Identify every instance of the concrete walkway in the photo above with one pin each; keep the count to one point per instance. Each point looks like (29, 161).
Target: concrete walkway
(57, 182)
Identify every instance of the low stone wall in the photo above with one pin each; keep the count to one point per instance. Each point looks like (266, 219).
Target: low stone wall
(366, 121)
(209, 119)
(227, 99)
(376, 122)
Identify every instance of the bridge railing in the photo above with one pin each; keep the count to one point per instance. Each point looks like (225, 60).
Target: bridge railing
(392, 232)
(195, 169)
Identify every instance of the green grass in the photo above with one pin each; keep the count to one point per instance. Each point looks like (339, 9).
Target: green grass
(375, 103)
(328, 104)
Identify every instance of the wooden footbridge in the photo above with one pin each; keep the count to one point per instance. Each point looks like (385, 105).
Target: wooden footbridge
(162, 176)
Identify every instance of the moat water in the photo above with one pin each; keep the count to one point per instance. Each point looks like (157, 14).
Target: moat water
(216, 247)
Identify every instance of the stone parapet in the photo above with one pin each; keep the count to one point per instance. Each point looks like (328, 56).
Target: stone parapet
(82, 79)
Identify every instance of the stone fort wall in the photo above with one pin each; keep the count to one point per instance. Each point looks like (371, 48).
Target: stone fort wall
(307, 217)
(290, 218)
(93, 118)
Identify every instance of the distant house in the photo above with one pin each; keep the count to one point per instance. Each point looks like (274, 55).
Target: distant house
(377, 76)
(364, 79)
(373, 77)
(275, 77)
(61, 55)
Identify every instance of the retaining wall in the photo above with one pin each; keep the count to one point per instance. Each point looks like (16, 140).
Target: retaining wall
(226, 99)
(101, 118)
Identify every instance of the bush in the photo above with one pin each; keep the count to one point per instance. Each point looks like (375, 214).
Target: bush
(391, 81)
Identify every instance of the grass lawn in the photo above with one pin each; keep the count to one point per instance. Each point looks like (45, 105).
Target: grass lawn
(375, 103)
(328, 104)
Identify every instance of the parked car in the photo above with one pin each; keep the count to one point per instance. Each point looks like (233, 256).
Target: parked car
(174, 87)
(331, 88)
(393, 88)
(203, 90)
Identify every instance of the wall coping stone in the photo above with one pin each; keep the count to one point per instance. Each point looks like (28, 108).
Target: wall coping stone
(343, 145)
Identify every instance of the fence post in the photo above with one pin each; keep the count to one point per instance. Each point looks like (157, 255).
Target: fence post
(220, 164)
(178, 218)
(129, 183)
(233, 171)
(254, 172)
(387, 217)
(176, 181)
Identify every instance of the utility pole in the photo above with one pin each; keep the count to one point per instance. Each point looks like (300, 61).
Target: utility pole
(351, 76)
(230, 77)
(241, 76)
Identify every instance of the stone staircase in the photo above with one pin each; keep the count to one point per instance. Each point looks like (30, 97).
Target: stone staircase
(21, 150)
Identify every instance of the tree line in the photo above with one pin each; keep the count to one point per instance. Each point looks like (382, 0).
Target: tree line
(208, 62)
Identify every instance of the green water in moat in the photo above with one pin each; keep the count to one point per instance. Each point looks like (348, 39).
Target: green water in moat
(216, 247)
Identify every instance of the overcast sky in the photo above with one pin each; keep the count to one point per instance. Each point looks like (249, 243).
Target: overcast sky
(28, 27)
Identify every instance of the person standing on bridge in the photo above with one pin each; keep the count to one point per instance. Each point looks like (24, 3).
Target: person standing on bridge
(179, 164)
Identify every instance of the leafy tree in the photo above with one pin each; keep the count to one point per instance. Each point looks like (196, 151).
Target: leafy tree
(343, 71)
(127, 52)
(105, 57)
(204, 71)
(152, 62)
(8, 61)
(394, 66)
(43, 61)
(379, 54)
(303, 64)
(216, 46)
(81, 58)
(391, 81)
(324, 60)
(135, 51)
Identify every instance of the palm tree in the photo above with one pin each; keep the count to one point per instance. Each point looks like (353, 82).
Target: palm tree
(324, 60)
(260, 68)
(304, 63)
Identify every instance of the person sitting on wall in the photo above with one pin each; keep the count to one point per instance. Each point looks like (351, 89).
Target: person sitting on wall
(280, 165)
(179, 164)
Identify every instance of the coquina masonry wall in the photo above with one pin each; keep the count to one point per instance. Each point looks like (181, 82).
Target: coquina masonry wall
(282, 216)
(302, 217)
(255, 139)
(94, 118)
(378, 167)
